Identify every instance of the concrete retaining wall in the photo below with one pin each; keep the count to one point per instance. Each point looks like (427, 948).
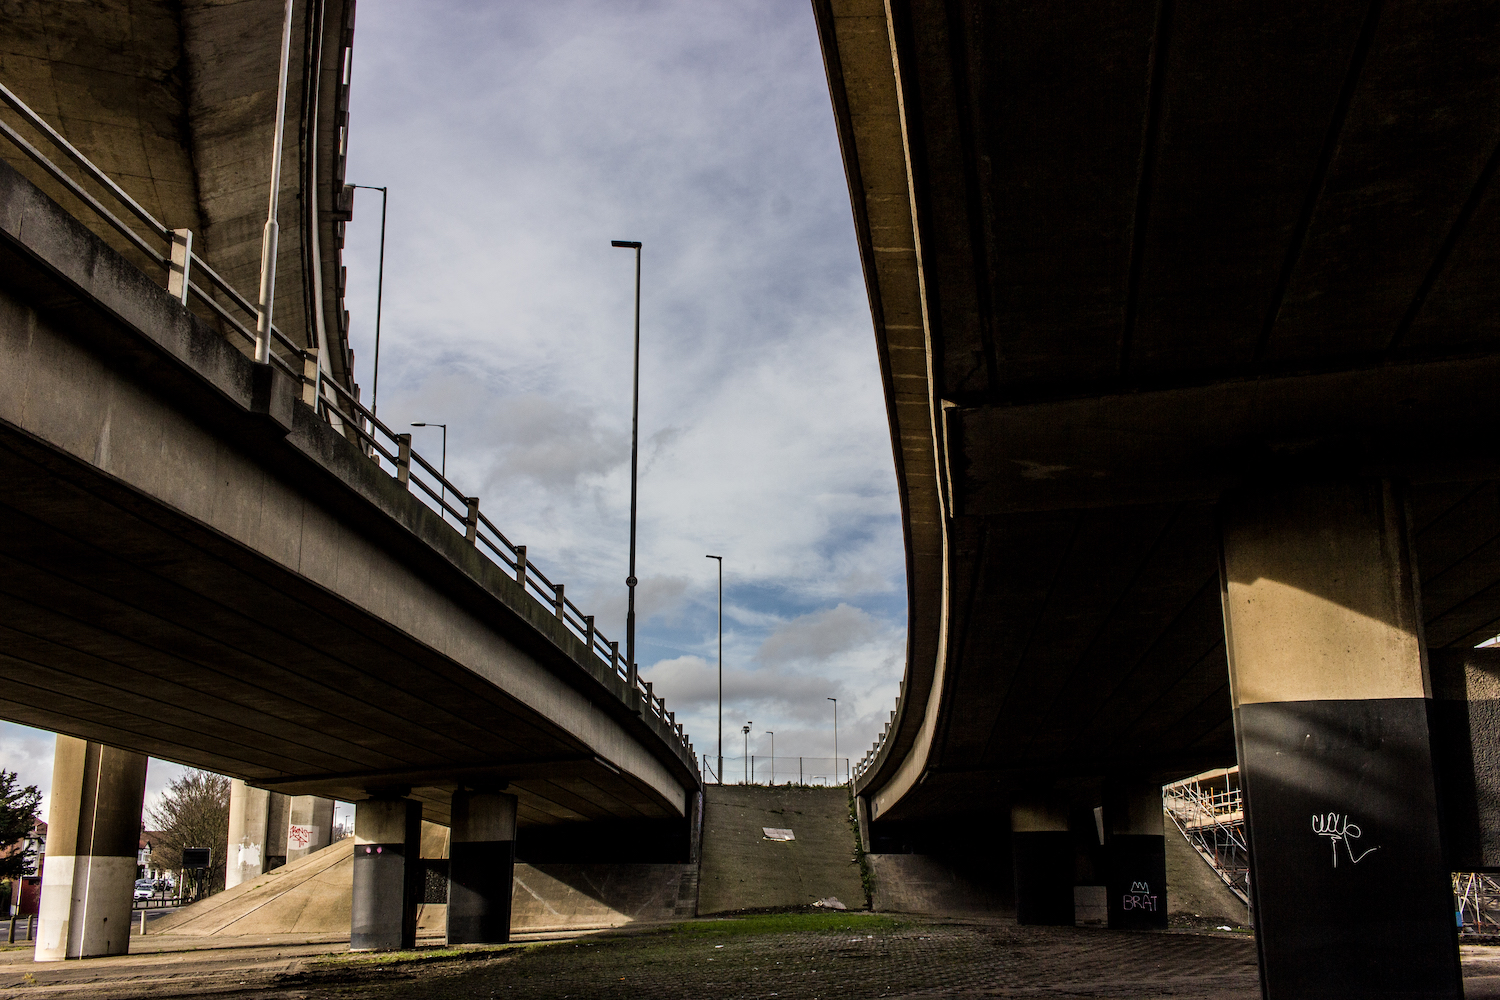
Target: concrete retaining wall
(742, 870)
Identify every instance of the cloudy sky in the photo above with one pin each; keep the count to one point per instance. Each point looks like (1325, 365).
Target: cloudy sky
(518, 140)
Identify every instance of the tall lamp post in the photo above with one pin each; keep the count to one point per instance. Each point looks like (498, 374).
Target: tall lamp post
(721, 665)
(746, 731)
(269, 235)
(444, 466)
(379, 297)
(773, 755)
(635, 421)
(835, 740)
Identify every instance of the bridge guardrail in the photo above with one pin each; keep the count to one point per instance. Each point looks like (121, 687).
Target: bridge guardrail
(333, 402)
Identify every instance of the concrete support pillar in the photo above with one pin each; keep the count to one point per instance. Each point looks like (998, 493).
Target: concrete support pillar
(1042, 850)
(276, 825)
(388, 875)
(309, 825)
(1330, 689)
(268, 829)
(1135, 857)
(481, 867)
(246, 854)
(93, 834)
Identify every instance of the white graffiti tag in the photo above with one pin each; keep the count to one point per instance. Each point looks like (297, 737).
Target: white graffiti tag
(1338, 830)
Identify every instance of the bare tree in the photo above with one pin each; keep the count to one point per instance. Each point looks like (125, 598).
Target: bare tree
(194, 812)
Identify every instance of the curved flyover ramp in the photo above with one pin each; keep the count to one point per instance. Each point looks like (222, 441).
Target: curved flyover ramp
(1187, 318)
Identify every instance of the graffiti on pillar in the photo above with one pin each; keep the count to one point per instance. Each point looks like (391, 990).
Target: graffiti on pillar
(298, 837)
(1140, 897)
(1339, 830)
(249, 854)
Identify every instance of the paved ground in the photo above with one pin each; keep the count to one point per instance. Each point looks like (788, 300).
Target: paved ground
(822, 955)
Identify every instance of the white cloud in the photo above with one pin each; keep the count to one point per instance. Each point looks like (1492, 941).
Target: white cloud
(517, 141)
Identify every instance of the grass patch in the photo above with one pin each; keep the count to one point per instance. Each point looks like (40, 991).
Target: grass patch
(787, 923)
(368, 958)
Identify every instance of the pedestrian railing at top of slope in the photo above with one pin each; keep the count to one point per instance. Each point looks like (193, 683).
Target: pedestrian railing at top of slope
(761, 769)
(333, 402)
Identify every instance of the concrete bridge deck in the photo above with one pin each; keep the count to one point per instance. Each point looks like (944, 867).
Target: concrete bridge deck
(199, 567)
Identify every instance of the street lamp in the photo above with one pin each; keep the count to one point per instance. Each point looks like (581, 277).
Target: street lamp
(721, 665)
(269, 234)
(635, 420)
(773, 755)
(379, 296)
(442, 509)
(835, 740)
(746, 731)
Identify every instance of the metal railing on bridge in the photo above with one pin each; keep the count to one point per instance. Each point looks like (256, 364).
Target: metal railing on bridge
(872, 754)
(335, 403)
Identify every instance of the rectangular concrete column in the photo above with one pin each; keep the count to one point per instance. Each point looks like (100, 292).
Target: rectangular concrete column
(1135, 853)
(309, 825)
(276, 828)
(1042, 850)
(388, 875)
(481, 867)
(246, 855)
(1330, 689)
(93, 834)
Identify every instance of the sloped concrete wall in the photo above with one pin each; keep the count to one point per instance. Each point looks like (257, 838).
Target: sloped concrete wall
(742, 870)
(312, 897)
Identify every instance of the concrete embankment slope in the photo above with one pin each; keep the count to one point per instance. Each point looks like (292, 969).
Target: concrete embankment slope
(742, 870)
(311, 897)
(1195, 893)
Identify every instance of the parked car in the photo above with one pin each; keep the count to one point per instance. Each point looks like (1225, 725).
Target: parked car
(145, 888)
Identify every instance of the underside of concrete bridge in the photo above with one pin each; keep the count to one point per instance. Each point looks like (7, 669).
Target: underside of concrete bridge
(246, 591)
(1145, 277)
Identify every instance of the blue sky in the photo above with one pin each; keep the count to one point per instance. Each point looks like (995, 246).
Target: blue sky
(517, 141)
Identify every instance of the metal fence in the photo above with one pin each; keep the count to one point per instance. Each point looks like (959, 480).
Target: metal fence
(183, 268)
(763, 769)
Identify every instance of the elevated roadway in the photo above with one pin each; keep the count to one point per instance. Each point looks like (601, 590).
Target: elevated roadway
(222, 563)
(1173, 299)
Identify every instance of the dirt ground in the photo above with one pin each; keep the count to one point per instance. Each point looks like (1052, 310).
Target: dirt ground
(790, 955)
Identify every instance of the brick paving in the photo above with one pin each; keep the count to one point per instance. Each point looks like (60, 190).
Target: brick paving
(856, 956)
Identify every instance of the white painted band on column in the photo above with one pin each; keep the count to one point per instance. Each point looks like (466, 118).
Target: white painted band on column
(85, 907)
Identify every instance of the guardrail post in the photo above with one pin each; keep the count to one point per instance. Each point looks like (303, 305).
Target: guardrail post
(588, 627)
(614, 657)
(181, 264)
(649, 705)
(403, 460)
(311, 374)
(521, 566)
(557, 600)
(471, 522)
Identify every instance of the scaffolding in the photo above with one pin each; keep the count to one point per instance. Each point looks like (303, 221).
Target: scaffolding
(1476, 898)
(1209, 809)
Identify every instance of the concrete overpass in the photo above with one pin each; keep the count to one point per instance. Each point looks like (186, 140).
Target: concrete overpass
(1187, 315)
(222, 563)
